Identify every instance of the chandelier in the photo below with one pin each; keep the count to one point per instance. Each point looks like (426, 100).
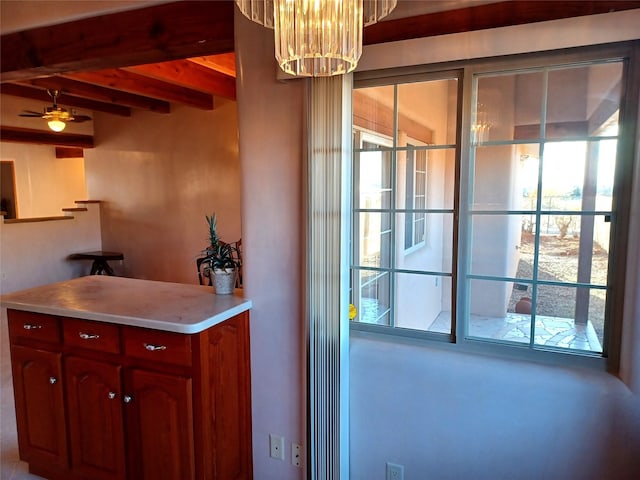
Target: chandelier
(317, 38)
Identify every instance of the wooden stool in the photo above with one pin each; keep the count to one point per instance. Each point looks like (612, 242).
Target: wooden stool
(99, 257)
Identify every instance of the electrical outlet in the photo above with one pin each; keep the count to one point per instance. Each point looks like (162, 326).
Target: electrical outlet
(276, 446)
(394, 471)
(296, 455)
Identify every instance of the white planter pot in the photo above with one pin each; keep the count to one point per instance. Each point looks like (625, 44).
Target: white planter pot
(224, 281)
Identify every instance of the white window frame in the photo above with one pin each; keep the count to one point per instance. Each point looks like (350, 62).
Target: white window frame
(416, 217)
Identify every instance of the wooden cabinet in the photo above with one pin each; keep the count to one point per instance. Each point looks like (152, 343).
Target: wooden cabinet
(103, 401)
(160, 419)
(96, 420)
(39, 401)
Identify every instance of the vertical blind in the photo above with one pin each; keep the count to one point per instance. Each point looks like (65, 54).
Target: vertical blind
(328, 177)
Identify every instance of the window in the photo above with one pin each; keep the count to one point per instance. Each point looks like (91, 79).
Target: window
(415, 198)
(402, 270)
(510, 237)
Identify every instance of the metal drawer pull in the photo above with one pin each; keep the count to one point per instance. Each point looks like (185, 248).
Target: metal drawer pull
(111, 395)
(53, 380)
(31, 326)
(153, 348)
(127, 398)
(88, 336)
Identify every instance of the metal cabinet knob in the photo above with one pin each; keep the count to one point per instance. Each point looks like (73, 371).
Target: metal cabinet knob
(153, 348)
(31, 326)
(127, 398)
(111, 395)
(53, 380)
(88, 336)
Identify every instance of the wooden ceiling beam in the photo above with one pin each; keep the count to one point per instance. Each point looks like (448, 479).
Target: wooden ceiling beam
(492, 15)
(69, 86)
(69, 152)
(39, 94)
(40, 137)
(224, 63)
(132, 82)
(158, 33)
(189, 74)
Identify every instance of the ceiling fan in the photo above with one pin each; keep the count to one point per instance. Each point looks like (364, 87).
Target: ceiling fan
(56, 117)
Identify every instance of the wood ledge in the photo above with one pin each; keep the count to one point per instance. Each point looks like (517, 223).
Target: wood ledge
(37, 219)
(51, 218)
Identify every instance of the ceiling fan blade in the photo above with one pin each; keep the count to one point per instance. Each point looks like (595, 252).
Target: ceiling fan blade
(80, 118)
(29, 113)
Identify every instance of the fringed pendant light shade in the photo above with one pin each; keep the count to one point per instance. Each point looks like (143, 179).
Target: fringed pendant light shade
(316, 38)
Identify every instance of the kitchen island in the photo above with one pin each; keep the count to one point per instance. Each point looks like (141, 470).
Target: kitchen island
(119, 378)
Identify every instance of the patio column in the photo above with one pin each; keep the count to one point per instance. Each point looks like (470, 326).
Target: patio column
(585, 250)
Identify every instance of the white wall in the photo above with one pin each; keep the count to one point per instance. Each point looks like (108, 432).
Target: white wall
(35, 253)
(447, 415)
(444, 414)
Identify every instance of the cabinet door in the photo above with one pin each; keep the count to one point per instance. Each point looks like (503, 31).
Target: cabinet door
(42, 436)
(159, 414)
(96, 429)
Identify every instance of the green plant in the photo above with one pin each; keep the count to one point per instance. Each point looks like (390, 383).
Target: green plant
(218, 255)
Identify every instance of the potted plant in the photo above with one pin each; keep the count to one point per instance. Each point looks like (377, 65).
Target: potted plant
(219, 260)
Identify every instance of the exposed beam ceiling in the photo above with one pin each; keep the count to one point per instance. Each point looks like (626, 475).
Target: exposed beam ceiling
(119, 79)
(182, 52)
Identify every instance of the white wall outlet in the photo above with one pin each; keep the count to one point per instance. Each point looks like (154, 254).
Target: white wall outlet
(276, 446)
(394, 471)
(296, 455)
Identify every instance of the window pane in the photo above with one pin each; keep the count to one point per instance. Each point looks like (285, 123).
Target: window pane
(374, 179)
(496, 246)
(423, 302)
(375, 240)
(432, 171)
(493, 315)
(373, 298)
(505, 177)
(578, 175)
(569, 251)
(508, 107)
(434, 253)
(580, 100)
(427, 112)
(568, 317)
(373, 109)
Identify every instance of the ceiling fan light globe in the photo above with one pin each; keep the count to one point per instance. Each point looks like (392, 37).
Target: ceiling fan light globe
(56, 125)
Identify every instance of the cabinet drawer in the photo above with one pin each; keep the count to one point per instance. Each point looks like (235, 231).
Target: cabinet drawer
(159, 346)
(34, 326)
(99, 336)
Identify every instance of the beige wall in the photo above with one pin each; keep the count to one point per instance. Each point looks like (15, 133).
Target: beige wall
(271, 123)
(158, 176)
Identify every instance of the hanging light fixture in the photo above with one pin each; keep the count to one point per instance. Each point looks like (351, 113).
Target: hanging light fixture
(56, 124)
(317, 38)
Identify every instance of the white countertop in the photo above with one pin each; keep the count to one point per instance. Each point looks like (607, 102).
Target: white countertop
(173, 307)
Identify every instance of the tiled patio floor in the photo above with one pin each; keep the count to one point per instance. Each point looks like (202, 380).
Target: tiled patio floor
(514, 327)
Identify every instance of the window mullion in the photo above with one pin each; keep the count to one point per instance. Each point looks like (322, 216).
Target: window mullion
(392, 212)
